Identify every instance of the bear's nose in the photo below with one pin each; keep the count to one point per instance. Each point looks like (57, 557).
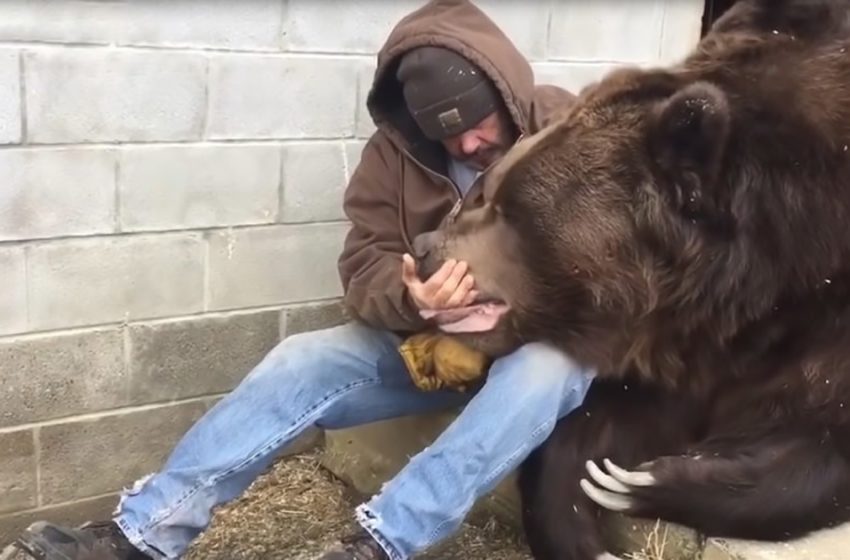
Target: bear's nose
(424, 243)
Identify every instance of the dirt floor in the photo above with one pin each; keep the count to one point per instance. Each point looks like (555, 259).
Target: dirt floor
(298, 508)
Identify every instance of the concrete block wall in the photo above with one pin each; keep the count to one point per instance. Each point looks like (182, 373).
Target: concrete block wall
(171, 178)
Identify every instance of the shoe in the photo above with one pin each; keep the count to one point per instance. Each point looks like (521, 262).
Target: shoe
(92, 541)
(359, 546)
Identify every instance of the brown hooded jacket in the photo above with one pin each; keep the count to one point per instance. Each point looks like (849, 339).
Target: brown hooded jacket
(401, 186)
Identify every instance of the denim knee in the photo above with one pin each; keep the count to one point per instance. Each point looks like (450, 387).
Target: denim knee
(537, 369)
(300, 349)
(315, 350)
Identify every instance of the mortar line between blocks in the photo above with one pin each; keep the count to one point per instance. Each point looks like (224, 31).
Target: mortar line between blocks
(207, 297)
(116, 178)
(284, 15)
(210, 314)
(23, 97)
(282, 323)
(273, 51)
(358, 112)
(587, 62)
(127, 354)
(281, 188)
(101, 414)
(200, 230)
(548, 40)
(246, 142)
(48, 507)
(27, 287)
(660, 52)
(205, 125)
(346, 165)
(36, 441)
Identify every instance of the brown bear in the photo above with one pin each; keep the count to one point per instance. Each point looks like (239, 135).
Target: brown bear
(686, 232)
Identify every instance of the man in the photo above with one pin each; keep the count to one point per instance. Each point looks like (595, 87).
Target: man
(451, 94)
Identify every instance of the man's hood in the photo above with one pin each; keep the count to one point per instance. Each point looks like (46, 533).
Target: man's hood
(461, 26)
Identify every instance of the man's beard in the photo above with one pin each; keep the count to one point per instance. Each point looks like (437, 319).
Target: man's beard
(481, 159)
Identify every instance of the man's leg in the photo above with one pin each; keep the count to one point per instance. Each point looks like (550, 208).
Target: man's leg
(339, 377)
(513, 413)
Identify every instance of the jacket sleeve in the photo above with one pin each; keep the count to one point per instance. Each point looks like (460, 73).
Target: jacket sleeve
(370, 262)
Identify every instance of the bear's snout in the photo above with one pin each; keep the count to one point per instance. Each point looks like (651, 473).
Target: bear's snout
(425, 251)
(424, 243)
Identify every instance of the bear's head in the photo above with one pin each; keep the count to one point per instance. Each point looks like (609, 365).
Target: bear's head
(581, 216)
(664, 207)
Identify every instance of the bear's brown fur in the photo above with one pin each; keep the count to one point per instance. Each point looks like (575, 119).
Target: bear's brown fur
(686, 231)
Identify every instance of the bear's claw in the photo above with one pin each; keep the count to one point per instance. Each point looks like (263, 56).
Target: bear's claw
(605, 480)
(606, 499)
(612, 491)
(631, 478)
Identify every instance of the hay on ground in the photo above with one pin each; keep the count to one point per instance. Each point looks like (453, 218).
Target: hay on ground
(298, 508)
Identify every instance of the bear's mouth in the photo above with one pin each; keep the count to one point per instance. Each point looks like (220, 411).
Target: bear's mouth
(481, 316)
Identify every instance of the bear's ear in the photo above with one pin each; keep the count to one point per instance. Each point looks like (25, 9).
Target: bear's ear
(688, 136)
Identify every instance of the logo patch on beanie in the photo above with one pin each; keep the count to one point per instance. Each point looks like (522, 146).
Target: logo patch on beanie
(450, 120)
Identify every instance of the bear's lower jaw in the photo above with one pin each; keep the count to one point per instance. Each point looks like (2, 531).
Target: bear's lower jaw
(478, 317)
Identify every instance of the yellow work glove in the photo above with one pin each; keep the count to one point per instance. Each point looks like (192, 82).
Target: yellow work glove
(436, 361)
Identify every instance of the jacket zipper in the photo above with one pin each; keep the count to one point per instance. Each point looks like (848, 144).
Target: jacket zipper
(459, 202)
(439, 176)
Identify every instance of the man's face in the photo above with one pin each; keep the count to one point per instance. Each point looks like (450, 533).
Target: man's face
(483, 144)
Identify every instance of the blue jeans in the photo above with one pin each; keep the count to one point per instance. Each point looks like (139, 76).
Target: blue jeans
(343, 377)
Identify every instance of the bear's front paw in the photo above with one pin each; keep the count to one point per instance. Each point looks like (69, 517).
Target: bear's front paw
(614, 490)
